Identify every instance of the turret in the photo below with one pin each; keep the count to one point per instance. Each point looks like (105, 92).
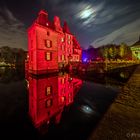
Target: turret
(66, 28)
(42, 18)
(57, 24)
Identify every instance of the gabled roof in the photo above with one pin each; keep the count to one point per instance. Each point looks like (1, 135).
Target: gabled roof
(136, 43)
(76, 43)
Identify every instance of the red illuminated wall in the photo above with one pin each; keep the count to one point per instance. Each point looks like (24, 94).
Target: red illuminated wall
(44, 105)
(50, 46)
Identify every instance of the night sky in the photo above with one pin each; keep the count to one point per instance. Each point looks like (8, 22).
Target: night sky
(94, 22)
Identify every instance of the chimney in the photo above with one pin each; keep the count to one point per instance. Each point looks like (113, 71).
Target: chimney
(57, 24)
(66, 28)
(42, 18)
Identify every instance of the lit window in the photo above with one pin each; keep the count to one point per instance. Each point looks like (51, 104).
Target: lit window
(62, 99)
(48, 43)
(62, 80)
(48, 90)
(63, 57)
(48, 103)
(62, 39)
(48, 56)
(69, 37)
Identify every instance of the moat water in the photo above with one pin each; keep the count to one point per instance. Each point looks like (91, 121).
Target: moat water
(58, 106)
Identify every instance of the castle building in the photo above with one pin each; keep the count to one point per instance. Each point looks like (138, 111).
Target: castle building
(50, 46)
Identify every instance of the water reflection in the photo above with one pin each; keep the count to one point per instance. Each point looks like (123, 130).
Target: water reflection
(48, 96)
(113, 78)
(60, 106)
(8, 74)
(65, 107)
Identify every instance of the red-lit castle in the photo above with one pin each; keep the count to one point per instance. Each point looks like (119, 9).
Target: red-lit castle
(50, 46)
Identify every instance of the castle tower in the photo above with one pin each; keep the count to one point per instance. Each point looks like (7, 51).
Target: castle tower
(50, 47)
(66, 28)
(42, 18)
(57, 24)
(42, 46)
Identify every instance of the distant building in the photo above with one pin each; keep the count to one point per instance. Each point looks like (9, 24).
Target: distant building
(135, 48)
(125, 52)
(111, 52)
(51, 46)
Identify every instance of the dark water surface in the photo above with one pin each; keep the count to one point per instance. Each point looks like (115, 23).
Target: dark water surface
(52, 107)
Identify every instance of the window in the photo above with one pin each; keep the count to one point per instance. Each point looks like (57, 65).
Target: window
(69, 37)
(48, 43)
(63, 57)
(48, 90)
(48, 33)
(49, 103)
(68, 42)
(62, 80)
(62, 99)
(62, 39)
(48, 56)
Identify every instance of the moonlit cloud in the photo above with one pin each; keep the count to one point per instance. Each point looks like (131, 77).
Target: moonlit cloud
(12, 31)
(100, 22)
(86, 13)
(127, 33)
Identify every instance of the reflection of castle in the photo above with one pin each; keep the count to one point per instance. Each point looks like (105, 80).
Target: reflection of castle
(50, 46)
(48, 96)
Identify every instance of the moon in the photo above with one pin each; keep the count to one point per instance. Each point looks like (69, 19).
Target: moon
(86, 13)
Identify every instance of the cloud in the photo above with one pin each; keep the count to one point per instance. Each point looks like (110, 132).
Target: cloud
(128, 34)
(12, 31)
(79, 13)
(89, 13)
(105, 21)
